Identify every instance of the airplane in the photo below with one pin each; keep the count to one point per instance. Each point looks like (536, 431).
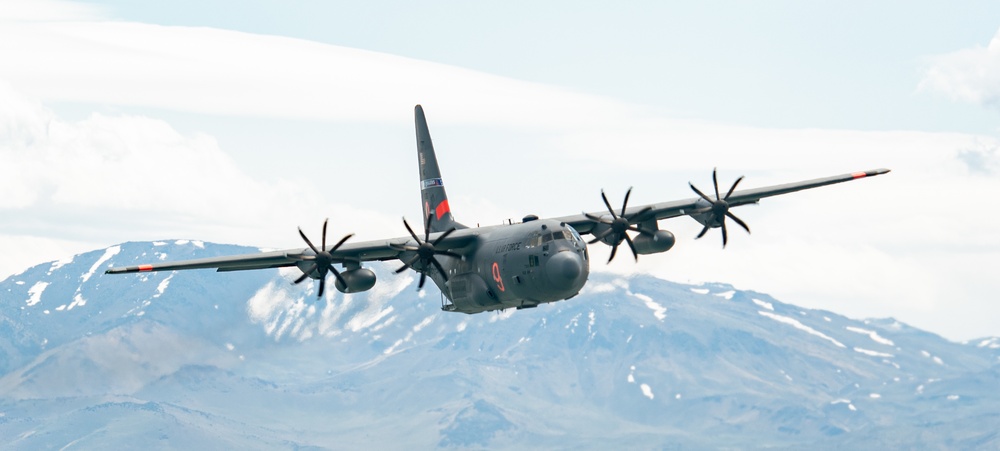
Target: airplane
(513, 265)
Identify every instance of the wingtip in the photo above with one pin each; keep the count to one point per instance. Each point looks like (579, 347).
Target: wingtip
(871, 173)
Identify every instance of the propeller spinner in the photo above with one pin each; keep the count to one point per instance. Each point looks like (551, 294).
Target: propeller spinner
(719, 209)
(322, 261)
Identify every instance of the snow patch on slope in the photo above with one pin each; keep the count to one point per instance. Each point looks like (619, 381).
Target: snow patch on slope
(991, 343)
(871, 334)
(727, 295)
(798, 325)
(646, 391)
(872, 353)
(163, 286)
(108, 253)
(659, 311)
(60, 263)
(35, 293)
(78, 301)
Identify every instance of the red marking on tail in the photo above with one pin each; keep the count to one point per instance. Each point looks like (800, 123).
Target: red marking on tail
(442, 209)
(858, 175)
(145, 267)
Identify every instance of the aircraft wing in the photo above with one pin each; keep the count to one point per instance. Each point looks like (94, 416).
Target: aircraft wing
(348, 252)
(696, 205)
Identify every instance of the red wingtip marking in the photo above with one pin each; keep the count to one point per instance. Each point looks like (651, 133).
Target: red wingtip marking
(442, 209)
(858, 175)
(145, 267)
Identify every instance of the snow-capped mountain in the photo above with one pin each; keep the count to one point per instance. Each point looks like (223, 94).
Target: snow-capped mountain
(201, 359)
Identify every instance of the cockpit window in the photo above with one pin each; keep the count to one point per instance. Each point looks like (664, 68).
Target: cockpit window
(557, 235)
(565, 234)
(575, 234)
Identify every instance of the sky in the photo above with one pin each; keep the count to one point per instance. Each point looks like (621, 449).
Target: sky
(238, 121)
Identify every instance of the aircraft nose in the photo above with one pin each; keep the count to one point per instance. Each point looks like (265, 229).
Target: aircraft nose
(564, 268)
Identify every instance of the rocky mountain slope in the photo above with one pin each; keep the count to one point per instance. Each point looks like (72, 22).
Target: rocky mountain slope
(200, 359)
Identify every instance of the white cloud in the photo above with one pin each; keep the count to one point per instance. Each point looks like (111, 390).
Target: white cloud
(70, 186)
(231, 73)
(970, 75)
(47, 10)
(120, 163)
(915, 244)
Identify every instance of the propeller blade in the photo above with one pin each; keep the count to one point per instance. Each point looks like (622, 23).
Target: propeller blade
(632, 246)
(725, 236)
(408, 229)
(339, 243)
(324, 232)
(427, 227)
(339, 277)
(423, 278)
(640, 230)
(400, 247)
(704, 230)
(304, 237)
(715, 181)
(443, 236)
(450, 254)
(600, 236)
(303, 276)
(698, 191)
(608, 204)
(625, 204)
(738, 221)
(440, 268)
(322, 286)
(408, 264)
(614, 249)
(733, 188)
(639, 213)
(595, 218)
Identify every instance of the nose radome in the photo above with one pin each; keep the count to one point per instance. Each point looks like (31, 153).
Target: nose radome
(564, 268)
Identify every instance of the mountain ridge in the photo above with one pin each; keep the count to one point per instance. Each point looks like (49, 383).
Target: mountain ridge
(635, 362)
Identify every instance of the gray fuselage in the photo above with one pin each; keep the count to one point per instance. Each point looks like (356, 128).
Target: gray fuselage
(518, 265)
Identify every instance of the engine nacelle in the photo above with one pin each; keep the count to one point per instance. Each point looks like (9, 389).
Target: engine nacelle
(358, 280)
(660, 241)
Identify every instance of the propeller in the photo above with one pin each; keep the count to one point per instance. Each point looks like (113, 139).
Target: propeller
(426, 252)
(719, 209)
(618, 225)
(322, 261)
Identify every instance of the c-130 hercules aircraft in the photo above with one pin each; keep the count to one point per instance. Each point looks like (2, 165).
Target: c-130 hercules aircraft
(519, 265)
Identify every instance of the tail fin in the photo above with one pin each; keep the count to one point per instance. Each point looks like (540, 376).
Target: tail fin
(432, 194)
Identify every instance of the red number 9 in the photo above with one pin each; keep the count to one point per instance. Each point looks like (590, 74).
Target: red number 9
(496, 276)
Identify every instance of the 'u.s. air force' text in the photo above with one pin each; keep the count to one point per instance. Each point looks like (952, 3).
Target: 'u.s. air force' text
(508, 247)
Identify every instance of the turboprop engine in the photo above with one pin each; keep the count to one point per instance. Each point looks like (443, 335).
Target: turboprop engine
(654, 242)
(355, 280)
(613, 228)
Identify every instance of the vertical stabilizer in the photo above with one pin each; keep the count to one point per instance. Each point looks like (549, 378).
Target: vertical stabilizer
(433, 199)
